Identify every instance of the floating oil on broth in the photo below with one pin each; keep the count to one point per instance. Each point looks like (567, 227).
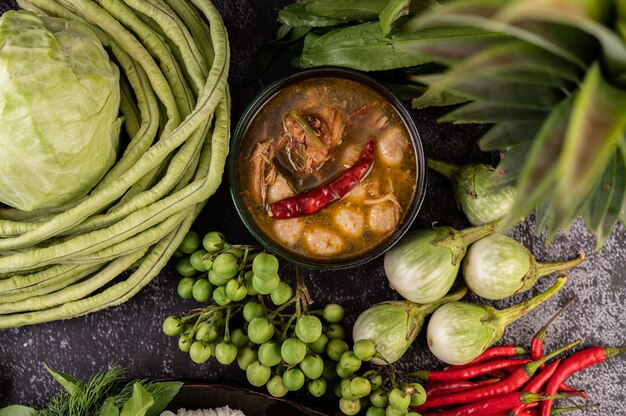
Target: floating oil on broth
(276, 163)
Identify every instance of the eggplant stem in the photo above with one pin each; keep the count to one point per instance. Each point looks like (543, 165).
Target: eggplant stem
(512, 314)
(470, 235)
(427, 309)
(545, 269)
(449, 170)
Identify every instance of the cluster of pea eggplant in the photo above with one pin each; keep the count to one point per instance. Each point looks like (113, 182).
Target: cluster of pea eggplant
(424, 266)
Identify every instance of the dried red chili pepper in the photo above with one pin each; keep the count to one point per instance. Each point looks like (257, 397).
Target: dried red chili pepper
(448, 387)
(512, 383)
(494, 405)
(315, 199)
(577, 362)
(499, 351)
(469, 372)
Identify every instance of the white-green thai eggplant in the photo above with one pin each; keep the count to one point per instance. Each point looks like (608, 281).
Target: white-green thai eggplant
(459, 332)
(497, 266)
(423, 266)
(393, 325)
(480, 204)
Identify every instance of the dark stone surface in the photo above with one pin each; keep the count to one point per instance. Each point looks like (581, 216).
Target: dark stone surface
(130, 334)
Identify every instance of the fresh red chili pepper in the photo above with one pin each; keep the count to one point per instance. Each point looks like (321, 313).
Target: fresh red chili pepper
(536, 345)
(564, 388)
(536, 383)
(499, 351)
(469, 372)
(315, 199)
(512, 383)
(494, 405)
(577, 362)
(439, 389)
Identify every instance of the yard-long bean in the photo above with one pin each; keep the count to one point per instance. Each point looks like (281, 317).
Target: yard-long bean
(174, 59)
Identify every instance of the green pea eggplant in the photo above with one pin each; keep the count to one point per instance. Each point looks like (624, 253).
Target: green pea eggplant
(497, 266)
(459, 332)
(393, 326)
(423, 266)
(480, 204)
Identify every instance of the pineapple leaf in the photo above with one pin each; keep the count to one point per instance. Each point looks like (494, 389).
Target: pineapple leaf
(597, 124)
(510, 166)
(589, 16)
(483, 14)
(605, 203)
(538, 174)
(482, 112)
(507, 134)
(497, 91)
(519, 57)
(436, 97)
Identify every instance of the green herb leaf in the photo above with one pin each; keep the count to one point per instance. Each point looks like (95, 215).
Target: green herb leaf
(324, 13)
(17, 411)
(139, 403)
(109, 408)
(395, 10)
(163, 394)
(365, 47)
(68, 382)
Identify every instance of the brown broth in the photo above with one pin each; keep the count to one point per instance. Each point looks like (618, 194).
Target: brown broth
(367, 216)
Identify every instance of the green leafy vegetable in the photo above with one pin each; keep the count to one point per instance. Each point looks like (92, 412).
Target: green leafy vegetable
(139, 402)
(17, 411)
(324, 13)
(389, 16)
(365, 47)
(103, 395)
(59, 128)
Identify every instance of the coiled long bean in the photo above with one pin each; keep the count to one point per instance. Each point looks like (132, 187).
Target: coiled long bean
(174, 59)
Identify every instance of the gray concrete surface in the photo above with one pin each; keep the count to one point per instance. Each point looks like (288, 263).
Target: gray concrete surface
(130, 334)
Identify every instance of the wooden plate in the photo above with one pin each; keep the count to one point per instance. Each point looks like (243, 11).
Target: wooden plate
(252, 403)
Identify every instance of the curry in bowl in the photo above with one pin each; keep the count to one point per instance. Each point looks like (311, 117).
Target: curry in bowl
(327, 169)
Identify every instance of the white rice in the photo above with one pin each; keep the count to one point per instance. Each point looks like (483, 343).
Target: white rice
(222, 411)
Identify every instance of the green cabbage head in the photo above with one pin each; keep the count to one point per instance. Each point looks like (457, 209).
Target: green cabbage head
(59, 104)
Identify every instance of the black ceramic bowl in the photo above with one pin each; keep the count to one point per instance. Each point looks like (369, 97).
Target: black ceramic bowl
(240, 133)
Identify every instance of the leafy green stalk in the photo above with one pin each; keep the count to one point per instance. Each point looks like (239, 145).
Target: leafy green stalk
(104, 394)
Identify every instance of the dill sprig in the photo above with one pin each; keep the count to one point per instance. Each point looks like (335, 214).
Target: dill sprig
(86, 399)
